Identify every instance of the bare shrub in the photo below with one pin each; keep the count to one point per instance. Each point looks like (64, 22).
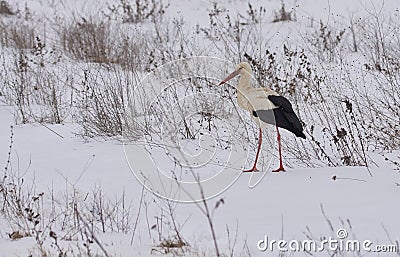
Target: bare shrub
(168, 229)
(102, 103)
(123, 45)
(88, 41)
(6, 9)
(112, 216)
(169, 41)
(99, 42)
(253, 15)
(379, 41)
(326, 42)
(21, 205)
(282, 14)
(233, 35)
(38, 92)
(17, 34)
(50, 96)
(17, 87)
(137, 11)
(41, 55)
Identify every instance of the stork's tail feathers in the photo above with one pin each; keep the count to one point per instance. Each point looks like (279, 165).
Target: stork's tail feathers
(300, 134)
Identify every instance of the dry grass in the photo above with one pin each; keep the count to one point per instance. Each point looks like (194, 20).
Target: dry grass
(100, 42)
(283, 15)
(102, 103)
(128, 11)
(6, 9)
(17, 34)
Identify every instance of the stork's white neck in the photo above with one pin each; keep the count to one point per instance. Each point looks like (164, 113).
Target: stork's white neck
(243, 90)
(244, 81)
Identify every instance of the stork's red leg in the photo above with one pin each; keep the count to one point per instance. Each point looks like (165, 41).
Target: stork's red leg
(280, 153)
(258, 152)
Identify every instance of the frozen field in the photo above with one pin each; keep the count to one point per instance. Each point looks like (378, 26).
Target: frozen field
(135, 151)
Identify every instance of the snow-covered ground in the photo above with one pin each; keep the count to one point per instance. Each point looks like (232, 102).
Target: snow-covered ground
(244, 209)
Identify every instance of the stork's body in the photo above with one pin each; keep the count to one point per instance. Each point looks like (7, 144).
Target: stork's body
(266, 107)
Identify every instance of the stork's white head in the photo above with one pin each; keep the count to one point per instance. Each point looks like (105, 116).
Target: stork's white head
(242, 69)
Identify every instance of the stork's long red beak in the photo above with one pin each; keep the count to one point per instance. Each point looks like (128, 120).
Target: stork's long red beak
(231, 76)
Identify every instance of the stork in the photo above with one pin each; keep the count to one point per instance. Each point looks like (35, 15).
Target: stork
(266, 107)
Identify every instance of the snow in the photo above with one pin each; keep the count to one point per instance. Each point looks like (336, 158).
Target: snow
(287, 205)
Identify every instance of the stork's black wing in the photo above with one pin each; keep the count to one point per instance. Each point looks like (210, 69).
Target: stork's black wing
(283, 116)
